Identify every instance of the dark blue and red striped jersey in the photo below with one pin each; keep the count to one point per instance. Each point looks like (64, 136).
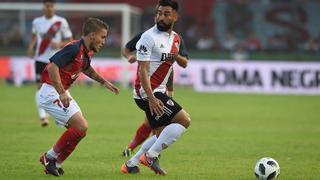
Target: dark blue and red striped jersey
(71, 60)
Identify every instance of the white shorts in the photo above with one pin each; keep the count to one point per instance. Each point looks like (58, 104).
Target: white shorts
(50, 102)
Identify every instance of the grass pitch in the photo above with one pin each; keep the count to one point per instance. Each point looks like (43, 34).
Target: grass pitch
(228, 134)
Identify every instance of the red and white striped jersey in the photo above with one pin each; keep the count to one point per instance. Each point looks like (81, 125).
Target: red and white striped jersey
(159, 48)
(50, 30)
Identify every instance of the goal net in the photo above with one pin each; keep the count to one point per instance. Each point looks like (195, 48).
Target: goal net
(16, 20)
(123, 19)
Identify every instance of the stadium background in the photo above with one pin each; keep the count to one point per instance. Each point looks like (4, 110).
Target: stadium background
(229, 132)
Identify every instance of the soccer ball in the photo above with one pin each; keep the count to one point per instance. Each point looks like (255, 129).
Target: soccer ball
(267, 169)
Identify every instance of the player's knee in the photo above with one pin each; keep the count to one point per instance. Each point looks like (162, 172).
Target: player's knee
(84, 126)
(187, 120)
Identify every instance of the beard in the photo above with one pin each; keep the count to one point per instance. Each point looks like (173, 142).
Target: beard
(163, 27)
(94, 49)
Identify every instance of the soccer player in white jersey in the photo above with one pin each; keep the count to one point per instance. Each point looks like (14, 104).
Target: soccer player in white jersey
(49, 33)
(157, 50)
(144, 129)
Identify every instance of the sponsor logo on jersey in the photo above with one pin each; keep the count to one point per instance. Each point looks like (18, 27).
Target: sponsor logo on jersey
(167, 56)
(142, 49)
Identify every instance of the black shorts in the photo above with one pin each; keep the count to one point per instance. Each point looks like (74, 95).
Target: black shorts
(171, 108)
(39, 67)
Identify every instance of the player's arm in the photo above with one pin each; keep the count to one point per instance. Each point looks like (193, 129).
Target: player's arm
(182, 57)
(130, 47)
(182, 61)
(33, 39)
(54, 74)
(144, 50)
(170, 85)
(31, 45)
(155, 105)
(90, 72)
(128, 55)
(58, 60)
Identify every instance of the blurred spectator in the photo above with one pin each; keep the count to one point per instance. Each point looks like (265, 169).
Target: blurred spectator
(191, 36)
(312, 45)
(253, 43)
(205, 42)
(204, 25)
(13, 36)
(278, 42)
(230, 41)
(240, 53)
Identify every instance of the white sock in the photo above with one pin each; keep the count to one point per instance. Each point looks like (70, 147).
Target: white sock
(58, 165)
(42, 112)
(51, 154)
(134, 161)
(168, 136)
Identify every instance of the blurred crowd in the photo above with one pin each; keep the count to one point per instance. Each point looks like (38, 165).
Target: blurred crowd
(238, 26)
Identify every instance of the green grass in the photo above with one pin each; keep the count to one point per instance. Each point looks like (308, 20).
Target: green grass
(228, 134)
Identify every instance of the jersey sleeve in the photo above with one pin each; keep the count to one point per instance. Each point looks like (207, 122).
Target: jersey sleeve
(144, 47)
(65, 55)
(34, 28)
(131, 45)
(182, 49)
(66, 32)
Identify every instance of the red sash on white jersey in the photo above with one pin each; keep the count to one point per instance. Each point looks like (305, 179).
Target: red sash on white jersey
(48, 37)
(159, 75)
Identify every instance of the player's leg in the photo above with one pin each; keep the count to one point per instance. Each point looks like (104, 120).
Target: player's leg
(175, 120)
(141, 135)
(70, 117)
(78, 124)
(39, 67)
(131, 166)
(69, 139)
(170, 133)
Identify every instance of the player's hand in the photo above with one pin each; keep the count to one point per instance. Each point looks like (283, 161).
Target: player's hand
(65, 99)
(111, 87)
(132, 59)
(156, 106)
(55, 45)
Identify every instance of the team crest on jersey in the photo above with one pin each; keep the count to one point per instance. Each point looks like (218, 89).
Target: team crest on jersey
(170, 102)
(161, 46)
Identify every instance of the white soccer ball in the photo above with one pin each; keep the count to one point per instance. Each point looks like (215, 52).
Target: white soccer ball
(267, 169)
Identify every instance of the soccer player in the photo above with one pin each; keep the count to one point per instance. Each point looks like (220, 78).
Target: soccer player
(144, 130)
(64, 68)
(157, 50)
(49, 33)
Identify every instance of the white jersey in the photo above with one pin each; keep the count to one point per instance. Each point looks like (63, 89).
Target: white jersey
(159, 48)
(50, 30)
